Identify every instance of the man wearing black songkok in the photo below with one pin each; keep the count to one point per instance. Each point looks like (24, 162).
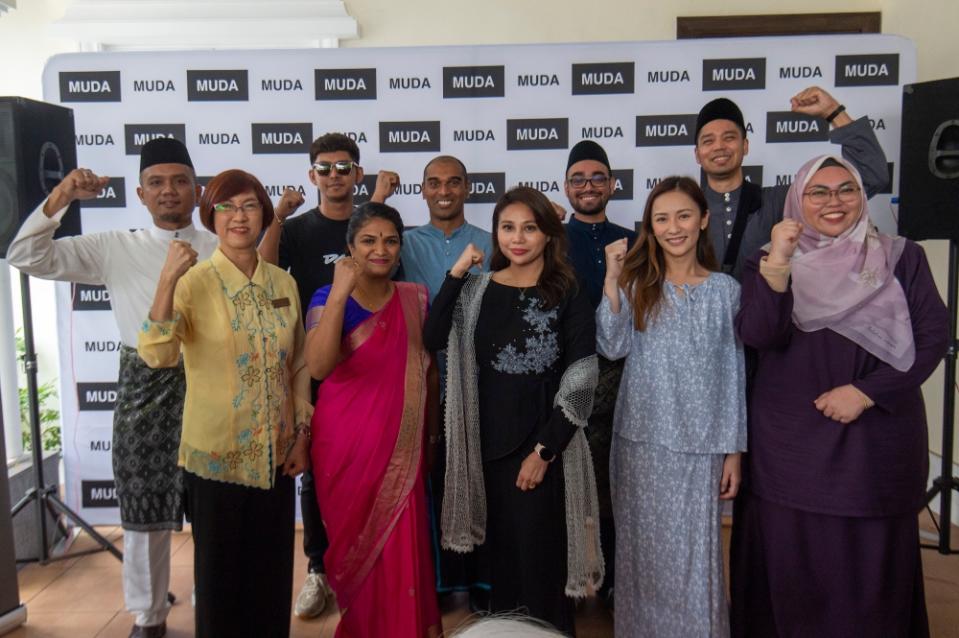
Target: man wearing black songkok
(589, 184)
(149, 406)
(742, 214)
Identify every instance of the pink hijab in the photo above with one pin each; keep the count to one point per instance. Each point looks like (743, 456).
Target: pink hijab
(847, 283)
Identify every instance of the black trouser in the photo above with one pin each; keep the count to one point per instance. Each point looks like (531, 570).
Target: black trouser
(242, 557)
(315, 542)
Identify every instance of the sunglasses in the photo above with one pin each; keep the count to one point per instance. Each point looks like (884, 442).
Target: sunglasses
(342, 167)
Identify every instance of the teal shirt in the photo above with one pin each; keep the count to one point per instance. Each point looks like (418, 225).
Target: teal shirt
(428, 253)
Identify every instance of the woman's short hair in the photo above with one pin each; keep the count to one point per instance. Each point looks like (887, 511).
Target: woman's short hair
(369, 211)
(229, 184)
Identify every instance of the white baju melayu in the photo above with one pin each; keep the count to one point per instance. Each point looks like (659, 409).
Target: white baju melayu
(129, 265)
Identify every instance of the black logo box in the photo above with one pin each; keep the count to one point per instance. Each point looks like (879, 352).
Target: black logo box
(90, 86)
(344, 84)
(603, 78)
(136, 135)
(87, 297)
(113, 195)
(666, 130)
(624, 178)
(281, 138)
(410, 137)
(98, 494)
(786, 126)
(96, 396)
(486, 188)
(217, 85)
(879, 69)
(537, 134)
(474, 81)
(734, 74)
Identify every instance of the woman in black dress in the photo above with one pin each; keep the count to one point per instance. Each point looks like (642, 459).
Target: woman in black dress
(521, 372)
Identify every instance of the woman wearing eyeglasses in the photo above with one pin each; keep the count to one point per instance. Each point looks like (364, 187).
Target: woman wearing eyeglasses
(848, 324)
(236, 320)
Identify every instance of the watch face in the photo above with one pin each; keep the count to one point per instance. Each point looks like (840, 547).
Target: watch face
(545, 454)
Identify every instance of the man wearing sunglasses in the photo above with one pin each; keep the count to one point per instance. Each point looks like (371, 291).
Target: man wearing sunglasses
(742, 214)
(309, 245)
(589, 184)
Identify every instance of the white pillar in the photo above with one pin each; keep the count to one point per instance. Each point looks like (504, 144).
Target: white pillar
(8, 367)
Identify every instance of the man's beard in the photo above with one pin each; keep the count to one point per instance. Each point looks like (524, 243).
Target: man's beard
(596, 209)
(175, 218)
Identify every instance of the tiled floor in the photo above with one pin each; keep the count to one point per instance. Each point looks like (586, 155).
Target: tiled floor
(82, 597)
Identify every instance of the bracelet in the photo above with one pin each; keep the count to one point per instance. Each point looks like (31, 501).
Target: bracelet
(303, 428)
(832, 116)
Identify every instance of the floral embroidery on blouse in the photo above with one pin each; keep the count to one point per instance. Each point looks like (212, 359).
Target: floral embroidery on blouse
(541, 348)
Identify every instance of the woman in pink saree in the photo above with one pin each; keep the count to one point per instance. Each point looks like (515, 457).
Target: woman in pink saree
(370, 441)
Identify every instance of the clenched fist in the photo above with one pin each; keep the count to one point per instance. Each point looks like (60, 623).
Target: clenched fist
(784, 239)
(80, 183)
(471, 256)
(615, 256)
(386, 184)
(344, 278)
(179, 258)
(289, 202)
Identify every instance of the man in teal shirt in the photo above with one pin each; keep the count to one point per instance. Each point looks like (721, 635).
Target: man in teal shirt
(430, 250)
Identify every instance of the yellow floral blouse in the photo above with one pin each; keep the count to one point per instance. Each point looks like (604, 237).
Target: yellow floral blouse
(247, 385)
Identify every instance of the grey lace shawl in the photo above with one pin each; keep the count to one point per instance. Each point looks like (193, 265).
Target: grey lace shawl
(463, 518)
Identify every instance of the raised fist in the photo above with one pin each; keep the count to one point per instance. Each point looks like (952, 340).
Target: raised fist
(289, 202)
(615, 256)
(471, 256)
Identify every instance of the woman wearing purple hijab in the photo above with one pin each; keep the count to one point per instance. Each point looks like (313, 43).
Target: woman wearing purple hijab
(848, 324)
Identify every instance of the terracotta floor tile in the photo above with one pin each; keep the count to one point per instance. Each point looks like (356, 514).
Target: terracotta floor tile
(82, 588)
(58, 624)
(83, 597)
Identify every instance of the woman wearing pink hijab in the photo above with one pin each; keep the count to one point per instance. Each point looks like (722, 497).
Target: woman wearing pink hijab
(848, 324)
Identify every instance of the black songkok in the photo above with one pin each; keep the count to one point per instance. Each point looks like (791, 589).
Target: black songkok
(587, 150)
(719, 109)
(164, 150)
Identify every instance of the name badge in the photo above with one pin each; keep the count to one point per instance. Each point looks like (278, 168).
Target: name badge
(282, 302)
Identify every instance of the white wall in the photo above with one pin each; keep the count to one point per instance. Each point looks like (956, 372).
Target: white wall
(25, 47)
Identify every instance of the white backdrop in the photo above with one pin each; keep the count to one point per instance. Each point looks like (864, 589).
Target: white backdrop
(509, 112)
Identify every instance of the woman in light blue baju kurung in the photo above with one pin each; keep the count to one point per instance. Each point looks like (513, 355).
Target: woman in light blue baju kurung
(680, 411)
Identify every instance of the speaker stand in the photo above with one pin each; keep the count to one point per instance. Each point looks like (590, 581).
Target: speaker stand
(944, 485)
(45, 496)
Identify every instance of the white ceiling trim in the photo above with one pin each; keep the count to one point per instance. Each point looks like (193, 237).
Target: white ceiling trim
(137, 25)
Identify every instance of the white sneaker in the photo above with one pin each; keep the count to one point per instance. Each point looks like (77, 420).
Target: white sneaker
(312, 599)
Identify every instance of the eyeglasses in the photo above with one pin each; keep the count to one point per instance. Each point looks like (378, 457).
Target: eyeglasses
(342, 167)
(598, 180)
(231, 209)
(847, 194)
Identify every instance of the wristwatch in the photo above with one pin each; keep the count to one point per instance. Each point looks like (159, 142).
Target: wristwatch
(544, 452)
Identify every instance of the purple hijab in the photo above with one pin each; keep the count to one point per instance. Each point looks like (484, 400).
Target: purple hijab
(847, 283)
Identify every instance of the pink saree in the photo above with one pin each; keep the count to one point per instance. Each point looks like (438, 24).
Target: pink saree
(368, 461)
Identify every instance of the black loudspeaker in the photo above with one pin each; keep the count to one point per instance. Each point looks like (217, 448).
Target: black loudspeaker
(929, 166)
(37, 149)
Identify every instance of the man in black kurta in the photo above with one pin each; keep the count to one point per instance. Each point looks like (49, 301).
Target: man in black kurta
(589, 184)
